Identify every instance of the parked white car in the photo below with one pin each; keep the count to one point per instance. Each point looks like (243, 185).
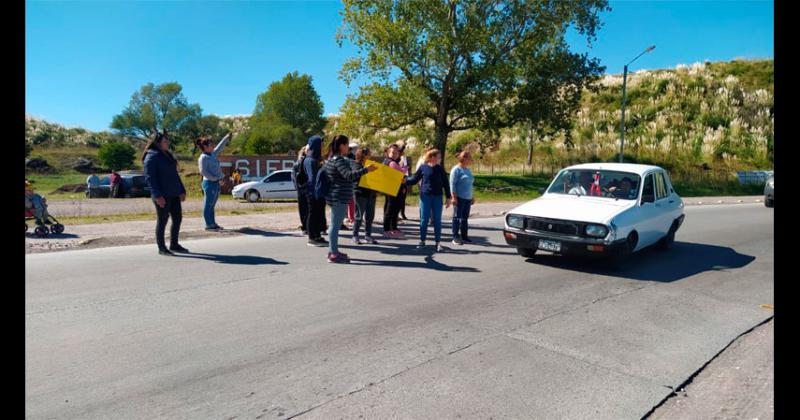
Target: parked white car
(601, 209)
(277, 185)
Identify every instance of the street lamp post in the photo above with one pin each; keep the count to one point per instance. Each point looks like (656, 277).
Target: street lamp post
(624, 85)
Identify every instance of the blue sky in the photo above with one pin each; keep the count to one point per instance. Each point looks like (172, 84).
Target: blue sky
(83, 60)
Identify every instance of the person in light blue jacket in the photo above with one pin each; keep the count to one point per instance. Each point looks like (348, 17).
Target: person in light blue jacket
(212, 177)
(461, 181)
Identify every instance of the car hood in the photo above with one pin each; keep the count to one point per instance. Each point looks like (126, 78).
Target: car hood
(573, 207)
(246, 185)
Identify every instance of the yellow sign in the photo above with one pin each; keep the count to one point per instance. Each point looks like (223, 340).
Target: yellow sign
(384, 179)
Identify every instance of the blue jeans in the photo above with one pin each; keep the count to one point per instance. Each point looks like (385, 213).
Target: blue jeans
(431, 208)
(338, 212)
(460, 217)
(210, 197)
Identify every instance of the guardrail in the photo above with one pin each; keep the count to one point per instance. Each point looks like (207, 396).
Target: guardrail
(754, 177)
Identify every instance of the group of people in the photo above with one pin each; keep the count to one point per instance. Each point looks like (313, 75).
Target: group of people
(322, 181)
(344, 165)
(115, 183)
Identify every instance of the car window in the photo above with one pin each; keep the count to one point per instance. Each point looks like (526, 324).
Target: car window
(661, 186)
(648, 191)
(280, 177)
(598, 183)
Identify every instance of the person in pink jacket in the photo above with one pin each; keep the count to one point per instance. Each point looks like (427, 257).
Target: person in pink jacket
(391, 208)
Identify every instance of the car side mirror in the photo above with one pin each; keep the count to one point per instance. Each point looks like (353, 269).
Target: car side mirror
(541, 191)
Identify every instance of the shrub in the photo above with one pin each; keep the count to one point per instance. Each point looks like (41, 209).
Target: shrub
(117, 155)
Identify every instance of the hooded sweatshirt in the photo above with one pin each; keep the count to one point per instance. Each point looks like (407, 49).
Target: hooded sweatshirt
(312, 162)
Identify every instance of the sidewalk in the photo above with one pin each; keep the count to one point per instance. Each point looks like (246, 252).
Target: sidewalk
(738, 384)
(140, 232)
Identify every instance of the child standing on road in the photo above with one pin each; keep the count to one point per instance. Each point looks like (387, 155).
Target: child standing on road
(365, 203)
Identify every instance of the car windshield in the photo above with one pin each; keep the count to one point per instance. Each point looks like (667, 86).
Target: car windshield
(597, 183)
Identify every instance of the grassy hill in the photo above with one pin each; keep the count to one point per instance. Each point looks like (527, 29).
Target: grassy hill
(702, 122)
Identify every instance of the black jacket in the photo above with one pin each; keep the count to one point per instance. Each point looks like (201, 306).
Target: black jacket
(161, 175)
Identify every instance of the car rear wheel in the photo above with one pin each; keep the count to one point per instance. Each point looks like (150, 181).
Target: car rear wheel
(667, 240)
(526, 252)
(253, 196)
(769, 203)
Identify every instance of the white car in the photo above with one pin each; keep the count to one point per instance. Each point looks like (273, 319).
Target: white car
(277, 185)
(601, 209)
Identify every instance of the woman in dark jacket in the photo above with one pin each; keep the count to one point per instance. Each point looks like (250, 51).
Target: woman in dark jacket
(341, 177)
(312, 164)
(166, 189)
(435, 183)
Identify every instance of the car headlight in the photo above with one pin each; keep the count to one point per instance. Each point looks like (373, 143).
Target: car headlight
(771, 184)
(598, 231)
(515, 221)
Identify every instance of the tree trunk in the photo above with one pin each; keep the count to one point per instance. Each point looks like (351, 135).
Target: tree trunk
(442, 130)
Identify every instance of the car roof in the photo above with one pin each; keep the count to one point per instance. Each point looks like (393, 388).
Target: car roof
(621, 167)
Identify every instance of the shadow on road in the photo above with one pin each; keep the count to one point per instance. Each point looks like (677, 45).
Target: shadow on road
(682, 260)
(31, 235)
(233, 259)
(265, 233)
(429, 264)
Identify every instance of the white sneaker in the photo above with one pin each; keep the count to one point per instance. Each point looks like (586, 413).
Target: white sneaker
(357, 241)
(421, 245)
(439, 247)
(457, 241)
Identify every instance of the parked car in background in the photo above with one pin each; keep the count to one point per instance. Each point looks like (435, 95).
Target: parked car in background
(133, 185)
(769, 192)
(600, 209)
(277, 185)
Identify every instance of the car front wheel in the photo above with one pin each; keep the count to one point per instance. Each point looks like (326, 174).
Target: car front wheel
(618, 260)
(253, 196)
(769, 203)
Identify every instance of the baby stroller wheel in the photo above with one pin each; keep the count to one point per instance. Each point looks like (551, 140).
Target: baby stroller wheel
(40, 231)
(57, 228)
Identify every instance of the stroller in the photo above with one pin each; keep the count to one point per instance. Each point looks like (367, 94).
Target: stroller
(36, 209)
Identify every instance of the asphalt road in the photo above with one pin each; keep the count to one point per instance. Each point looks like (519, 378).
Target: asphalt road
(262, 327)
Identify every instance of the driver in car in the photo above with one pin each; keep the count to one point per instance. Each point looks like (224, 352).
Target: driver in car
(624, 189)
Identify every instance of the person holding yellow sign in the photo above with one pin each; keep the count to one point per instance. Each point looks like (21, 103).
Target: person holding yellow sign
(365, 203)
(341, 179)
(434, 183)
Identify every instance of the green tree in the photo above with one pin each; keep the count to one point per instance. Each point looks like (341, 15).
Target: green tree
(274, 137)
(157, 108)
(461, 64)
(117, 155)
(292, 101)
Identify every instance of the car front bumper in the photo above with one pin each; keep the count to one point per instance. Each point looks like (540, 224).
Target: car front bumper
(238, 194)
(569, 245)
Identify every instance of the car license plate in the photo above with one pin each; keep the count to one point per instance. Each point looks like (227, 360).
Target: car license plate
(549, 245)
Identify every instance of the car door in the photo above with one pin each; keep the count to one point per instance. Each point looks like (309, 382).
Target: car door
(649, 214)
(666, 201)
(284, 186)
(268, 187)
